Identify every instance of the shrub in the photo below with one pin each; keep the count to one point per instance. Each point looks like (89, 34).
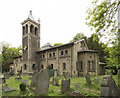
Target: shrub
(22, 86)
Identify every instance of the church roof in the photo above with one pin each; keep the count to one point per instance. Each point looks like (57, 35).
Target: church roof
(67, 44)
(88, 51)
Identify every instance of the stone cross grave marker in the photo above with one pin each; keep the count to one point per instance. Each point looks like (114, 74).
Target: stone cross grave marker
(65, 85)
(108, 87)
(88, 80)
(43, 80)
(34, 78)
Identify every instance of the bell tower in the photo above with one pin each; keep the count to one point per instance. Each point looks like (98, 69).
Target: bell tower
(30, 42)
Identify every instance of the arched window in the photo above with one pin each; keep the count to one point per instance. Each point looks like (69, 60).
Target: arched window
(23, 30)
(53, 54)
(33, 66)
(25, 66)
(61, 53)
(50, 55)
(42, 66)
(43, 56)
(36, 31)
(31, 29)
(51, 66)
(66, 52)
(64, 66)
(26, 28)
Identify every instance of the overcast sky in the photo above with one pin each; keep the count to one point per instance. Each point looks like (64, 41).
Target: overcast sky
(60, 20)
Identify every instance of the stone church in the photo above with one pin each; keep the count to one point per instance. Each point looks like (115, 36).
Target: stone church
(74, 58)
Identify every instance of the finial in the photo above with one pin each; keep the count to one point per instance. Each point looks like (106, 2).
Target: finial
(30, 15)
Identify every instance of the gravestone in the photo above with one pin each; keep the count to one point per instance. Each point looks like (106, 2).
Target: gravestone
(96, 80)
(7, 89)
(88, 80)
(4, 81)
(43, 81)
(108, 87)
(19, 74)
(6, 75)
(34, 78)
(65, 85)
(55, 81)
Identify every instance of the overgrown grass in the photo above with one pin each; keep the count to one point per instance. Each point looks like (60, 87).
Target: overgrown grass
(92, 90)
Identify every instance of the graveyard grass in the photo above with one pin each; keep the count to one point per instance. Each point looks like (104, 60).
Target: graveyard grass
(92, 90)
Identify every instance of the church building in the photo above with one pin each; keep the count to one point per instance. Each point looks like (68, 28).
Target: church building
(74, 58)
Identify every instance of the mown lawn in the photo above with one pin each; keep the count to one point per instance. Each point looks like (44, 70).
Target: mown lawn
(92, 90)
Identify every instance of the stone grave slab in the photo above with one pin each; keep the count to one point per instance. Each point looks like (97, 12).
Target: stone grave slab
(34, 78)
(65, 85)
(55, 81)
(108, 87)
(43, 80)
(7, 89)
(88, 80)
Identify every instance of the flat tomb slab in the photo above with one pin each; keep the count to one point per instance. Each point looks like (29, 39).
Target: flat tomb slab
(7, 89)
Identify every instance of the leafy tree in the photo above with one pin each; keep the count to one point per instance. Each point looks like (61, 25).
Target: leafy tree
(8, 53)
(56, 44)
(79, 36)
(94, 43)
(102, 18)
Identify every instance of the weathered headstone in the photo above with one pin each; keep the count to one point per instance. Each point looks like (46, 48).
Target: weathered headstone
(88, 80)
(108, 87)
(65, 85)
(43, 81)
(4, 81)
(96, 80)
(19, 74)
(34, 78)
(7, 89)
(55, 81)
(6, 75)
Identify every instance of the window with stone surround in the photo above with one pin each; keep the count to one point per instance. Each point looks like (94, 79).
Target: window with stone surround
(23, 30)
(66, 52)
(53, 54)
(64, 66)
(43, 56)
(25, 66)
(31, 29)
(42, 67)
(36, 30)
(26, 28)
(61, 53)
(33, 66)
(50, 55)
